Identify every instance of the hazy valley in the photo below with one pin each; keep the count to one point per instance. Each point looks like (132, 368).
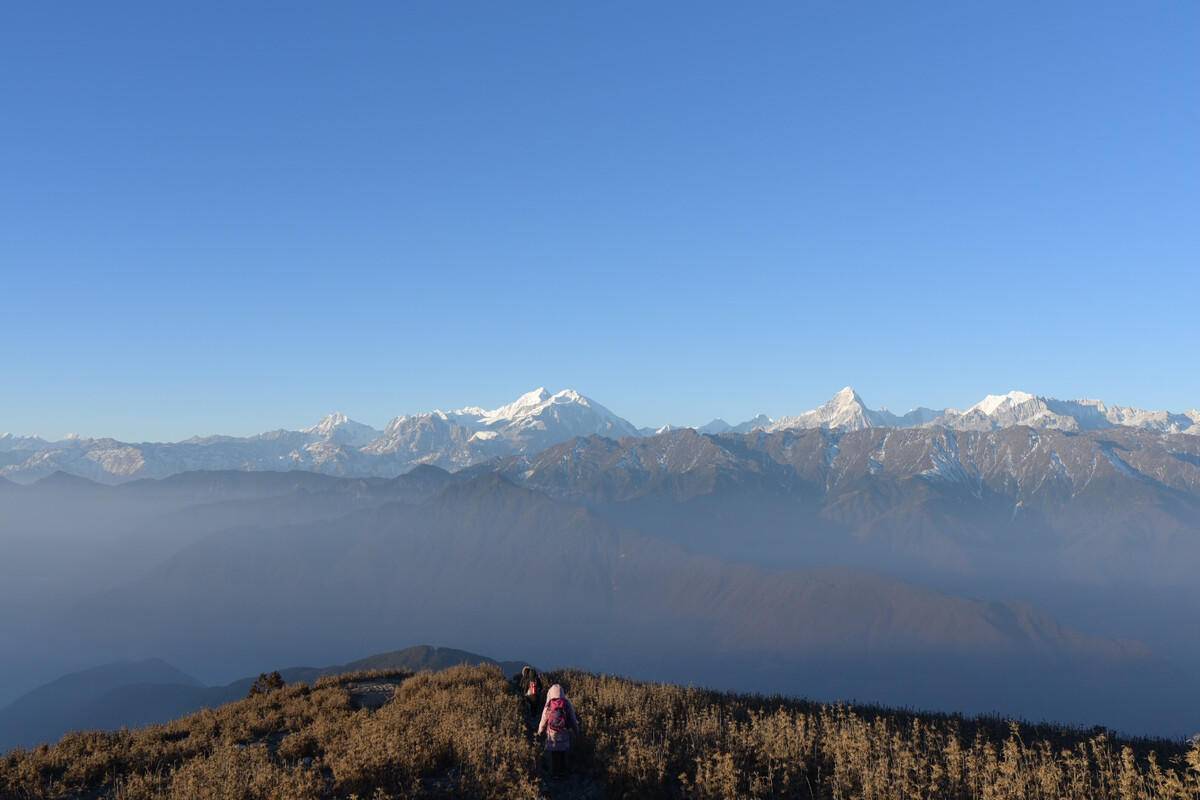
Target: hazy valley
(1026, 565)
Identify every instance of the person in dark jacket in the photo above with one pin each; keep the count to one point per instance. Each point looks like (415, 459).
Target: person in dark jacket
(529, 687)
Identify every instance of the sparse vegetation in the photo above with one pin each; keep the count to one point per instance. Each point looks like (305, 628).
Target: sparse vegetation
(265, 684)
(459, 733)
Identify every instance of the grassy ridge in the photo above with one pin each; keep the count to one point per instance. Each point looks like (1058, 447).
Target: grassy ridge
(458, 733)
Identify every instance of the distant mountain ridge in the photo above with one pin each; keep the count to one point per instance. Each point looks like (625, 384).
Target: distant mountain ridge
(338, 445)
(847, 411)
(534, 421)
(129, 694)
(933, 490)
(69, 702)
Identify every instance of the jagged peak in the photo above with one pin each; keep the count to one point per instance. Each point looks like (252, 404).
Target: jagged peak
(537, 395)
(533, 402)
(992, 402)
(331, 422)
(522, 405)
(845, 396)
(21, 437)
(569, 396)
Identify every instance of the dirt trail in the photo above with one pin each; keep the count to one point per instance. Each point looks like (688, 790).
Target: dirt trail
(372, 695)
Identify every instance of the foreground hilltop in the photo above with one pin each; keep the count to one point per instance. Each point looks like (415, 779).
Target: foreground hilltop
(458, 733)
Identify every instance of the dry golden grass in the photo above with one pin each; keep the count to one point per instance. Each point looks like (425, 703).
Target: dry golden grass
(458, 733)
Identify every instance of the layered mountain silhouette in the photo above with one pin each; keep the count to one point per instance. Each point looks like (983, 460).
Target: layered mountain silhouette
(84, 700)
(1105, 504)
(485, 538)
(966, 569)
(132, 694)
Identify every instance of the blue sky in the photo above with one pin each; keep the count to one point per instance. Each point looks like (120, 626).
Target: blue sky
(214, 218)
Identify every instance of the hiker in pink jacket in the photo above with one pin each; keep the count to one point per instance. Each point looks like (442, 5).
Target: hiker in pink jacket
(558, 722)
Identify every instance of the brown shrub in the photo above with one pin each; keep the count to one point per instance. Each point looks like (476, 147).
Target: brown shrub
(459, 733)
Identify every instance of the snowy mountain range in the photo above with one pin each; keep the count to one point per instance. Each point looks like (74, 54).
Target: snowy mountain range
(338, 445)
(534, 421)
(847, 411)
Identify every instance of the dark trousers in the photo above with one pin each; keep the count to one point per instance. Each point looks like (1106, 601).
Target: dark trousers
(558, 762)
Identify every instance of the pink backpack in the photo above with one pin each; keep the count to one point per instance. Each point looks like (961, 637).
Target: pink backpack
(557, 720)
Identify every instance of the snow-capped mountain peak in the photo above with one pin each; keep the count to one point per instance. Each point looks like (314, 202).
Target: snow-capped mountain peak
(846, 395)
(569, 396)
(12, 441)
(328, 424)
(1022, 408)
(522, 406)
(532, 404)
(338, 427)
(529, 424)
(993, 402)
(845, 410)
(532, 422)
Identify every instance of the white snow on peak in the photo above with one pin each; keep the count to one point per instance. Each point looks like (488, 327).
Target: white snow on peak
(337, 426)
(845, 410)
(992, 402)
(520, 407)
(531, 404)
(569, 396)
(328, 424)
(531, 423)
(845, 398)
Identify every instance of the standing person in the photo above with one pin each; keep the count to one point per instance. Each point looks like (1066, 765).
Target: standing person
(529, 687)
(558, 722)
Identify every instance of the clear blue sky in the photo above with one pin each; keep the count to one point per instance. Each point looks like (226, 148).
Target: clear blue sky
(221, 219)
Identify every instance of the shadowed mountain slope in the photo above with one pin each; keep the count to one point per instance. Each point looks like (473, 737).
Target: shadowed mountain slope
(1086, 504)
(69, 702)
(130, 694)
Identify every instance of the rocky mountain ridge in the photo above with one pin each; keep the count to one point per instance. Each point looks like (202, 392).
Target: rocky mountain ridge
(338, 445)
